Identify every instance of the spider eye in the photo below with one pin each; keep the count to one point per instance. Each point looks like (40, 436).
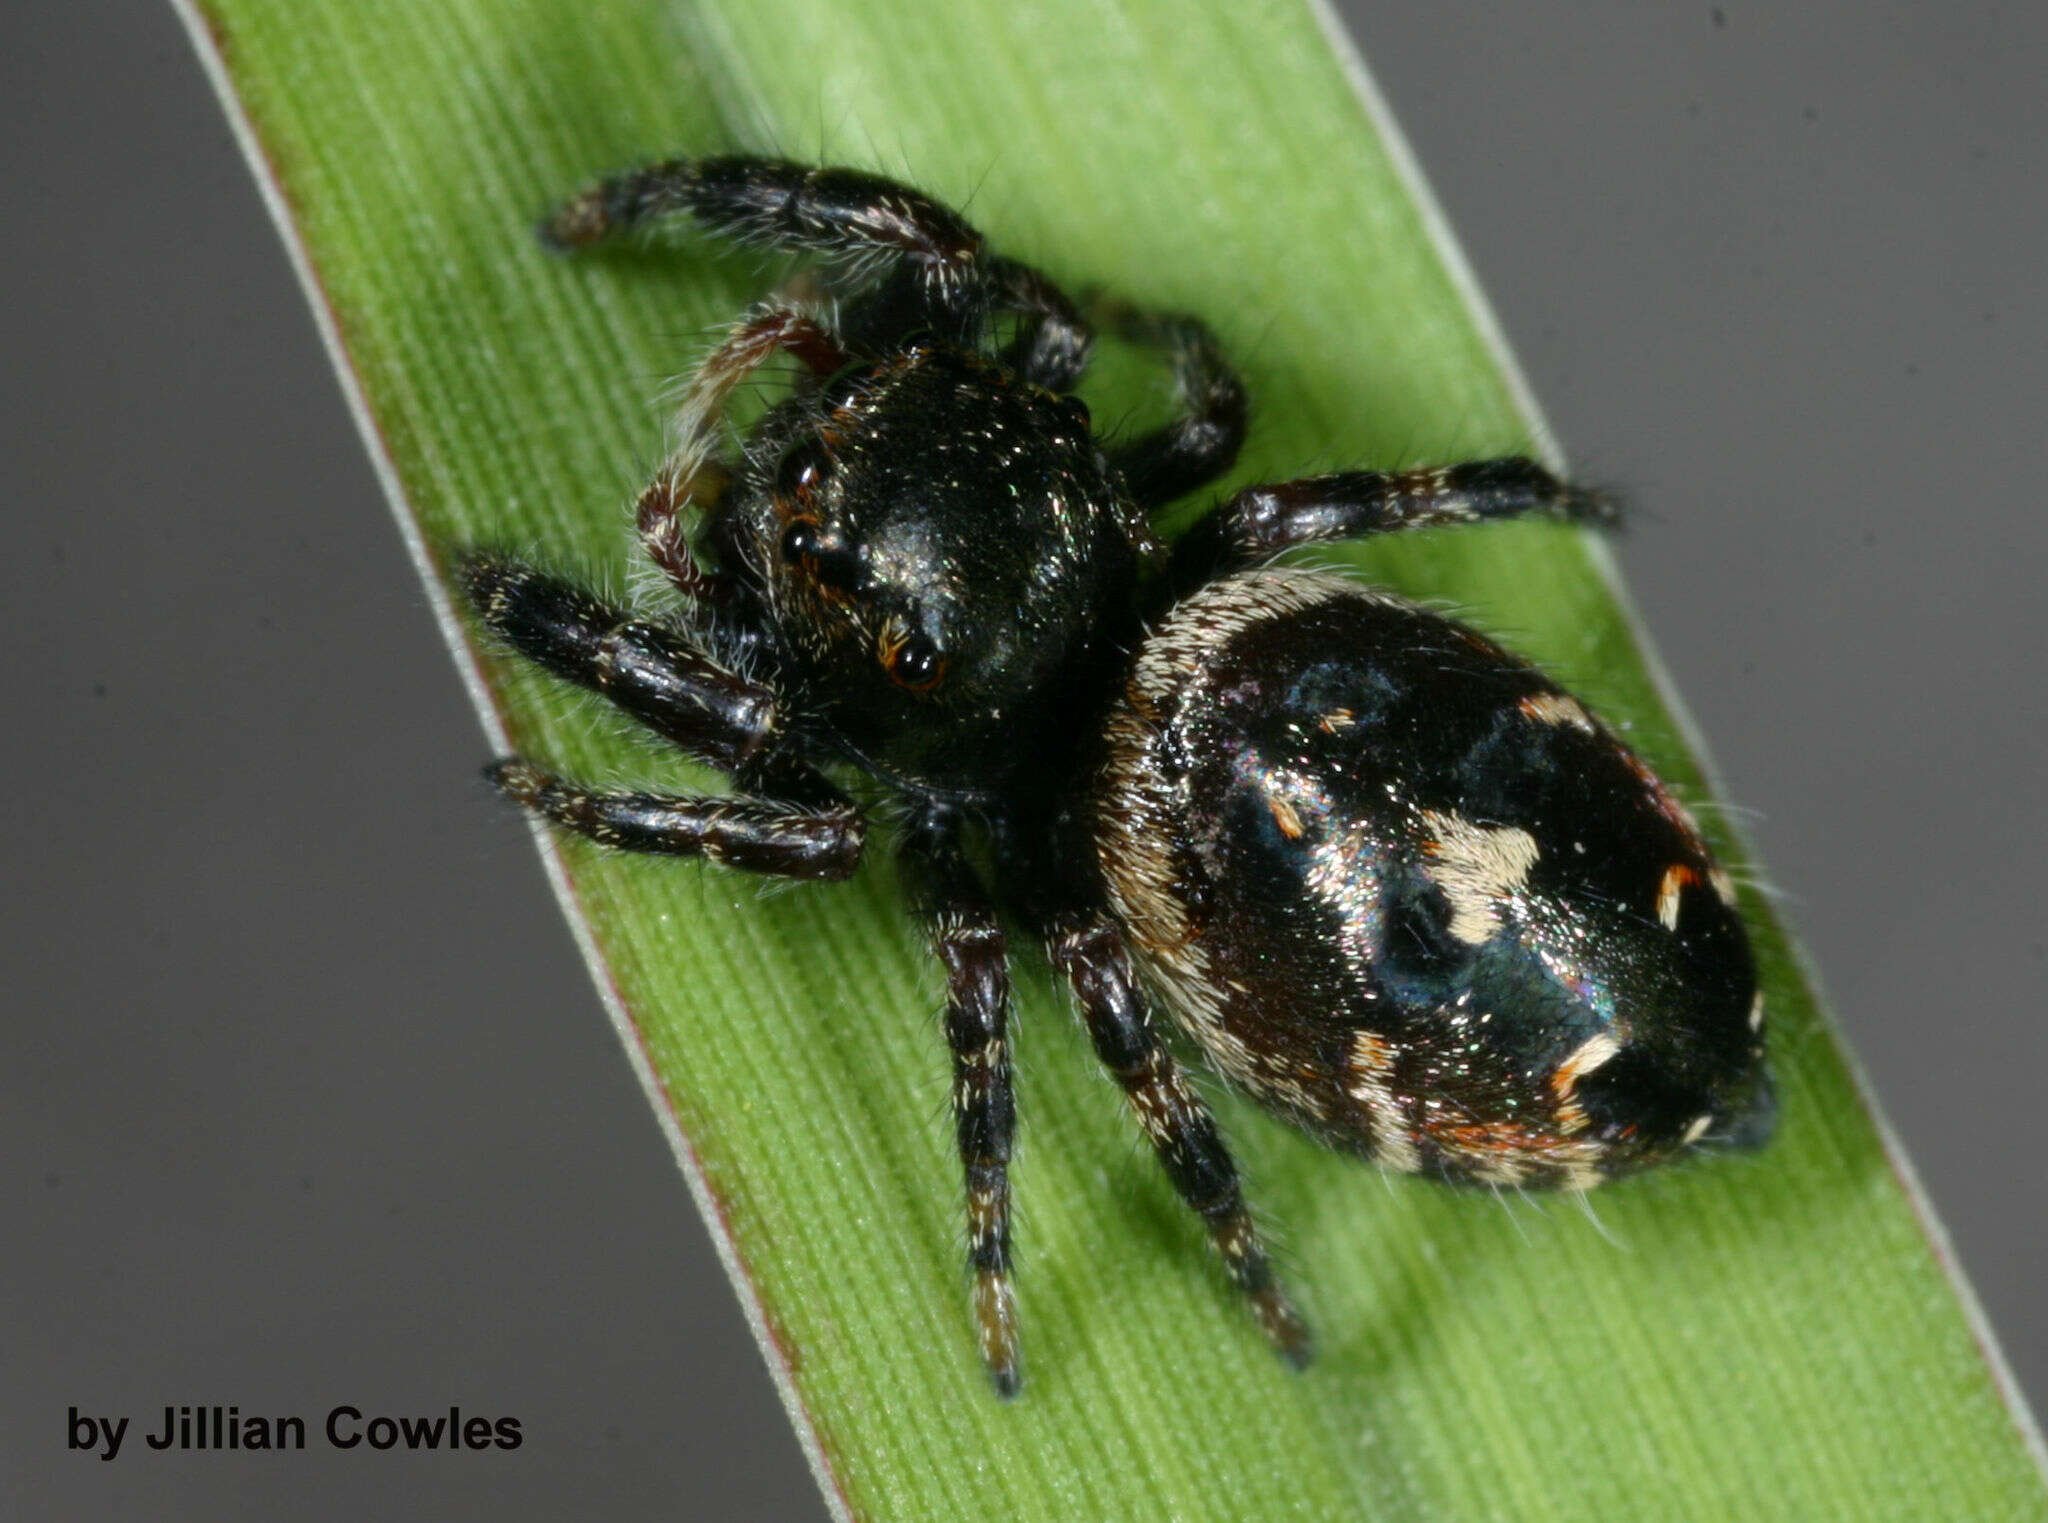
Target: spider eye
(916, 663)
(846, 386)
(1077, 411)
(834, 565)
(799, 540)
(803, 470)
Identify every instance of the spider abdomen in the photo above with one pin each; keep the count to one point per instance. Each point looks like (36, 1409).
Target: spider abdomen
(1408, 893)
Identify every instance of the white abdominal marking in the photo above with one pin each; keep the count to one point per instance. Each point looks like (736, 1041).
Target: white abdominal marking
(1368, 1070)
(1479, 867)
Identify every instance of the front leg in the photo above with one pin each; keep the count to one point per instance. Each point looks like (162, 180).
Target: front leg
(1261, 521)
(967, 939)
(1177, 1123)
(661, 679)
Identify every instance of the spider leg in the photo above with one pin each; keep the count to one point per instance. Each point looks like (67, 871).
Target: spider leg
(1053, 339)
(967, 939)
(848, 217)
(658, 677)
(690, 474)
(1175, 1120)
(1202, 443)
(859, 223)
(772, 836)
(1261, 521)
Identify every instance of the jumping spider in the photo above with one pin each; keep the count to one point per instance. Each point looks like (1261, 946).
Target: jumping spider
(1396, 884)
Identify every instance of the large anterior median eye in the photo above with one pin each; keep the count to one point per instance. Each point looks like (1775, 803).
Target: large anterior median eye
(912, 660)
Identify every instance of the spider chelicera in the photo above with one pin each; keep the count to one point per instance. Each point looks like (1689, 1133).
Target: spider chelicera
(1392, 881)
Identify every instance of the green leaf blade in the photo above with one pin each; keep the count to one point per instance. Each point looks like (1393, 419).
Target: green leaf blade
(1768, 1336)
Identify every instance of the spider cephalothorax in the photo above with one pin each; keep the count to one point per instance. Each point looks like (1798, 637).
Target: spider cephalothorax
(1392, 881)
(933, 542)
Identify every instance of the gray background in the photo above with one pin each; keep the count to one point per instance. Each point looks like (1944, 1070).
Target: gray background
(304, 1093)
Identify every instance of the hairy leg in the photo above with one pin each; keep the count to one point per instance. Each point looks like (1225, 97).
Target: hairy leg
(1053, 339)
(859, 224)
(795, 824)
(847, 216)
(1202, 443)
(661, 679)
(1261, 521)
(1175, 1120)
(691, 476)
(771, 836)
(965, 936)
